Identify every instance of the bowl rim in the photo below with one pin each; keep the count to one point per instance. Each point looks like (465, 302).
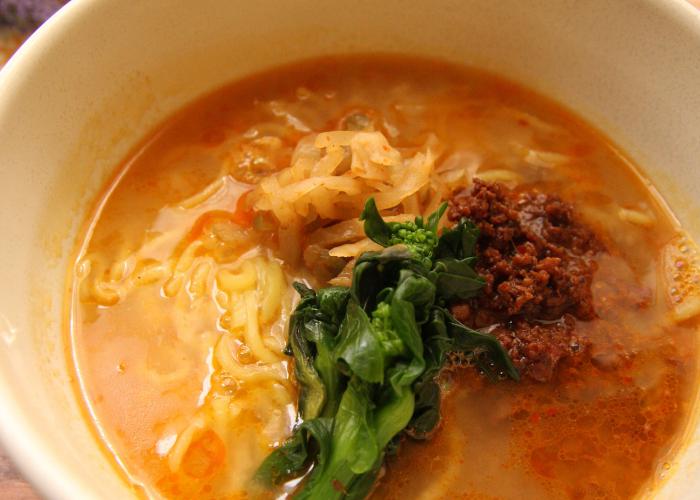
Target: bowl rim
(34, 459)
(27, 451)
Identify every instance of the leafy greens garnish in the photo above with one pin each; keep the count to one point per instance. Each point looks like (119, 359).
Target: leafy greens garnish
(367, 357)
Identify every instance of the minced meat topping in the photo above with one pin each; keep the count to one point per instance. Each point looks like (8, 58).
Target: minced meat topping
(538, 263)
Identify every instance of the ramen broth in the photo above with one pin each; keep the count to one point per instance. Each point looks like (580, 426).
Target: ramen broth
(174, 266)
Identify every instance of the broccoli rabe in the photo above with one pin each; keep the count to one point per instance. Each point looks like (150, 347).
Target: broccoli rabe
(381, 322)
(419, 240)
(419, 237)
(367, 357)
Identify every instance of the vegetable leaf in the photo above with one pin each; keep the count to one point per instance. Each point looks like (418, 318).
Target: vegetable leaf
(293, 457)
(458, 242)
(479, 343)
(434, 218)
(367, 357)
(312, 394)
(375, 228)
(359, 345)
(420, 239)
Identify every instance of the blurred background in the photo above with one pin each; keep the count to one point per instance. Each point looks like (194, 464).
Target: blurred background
(19, 18)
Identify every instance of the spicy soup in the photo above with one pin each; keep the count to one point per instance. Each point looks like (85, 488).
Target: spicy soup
(181, 292)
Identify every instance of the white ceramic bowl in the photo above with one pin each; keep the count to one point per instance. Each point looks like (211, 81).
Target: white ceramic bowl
(99, 75)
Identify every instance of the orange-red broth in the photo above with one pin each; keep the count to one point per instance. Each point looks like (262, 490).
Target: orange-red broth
(603, 429)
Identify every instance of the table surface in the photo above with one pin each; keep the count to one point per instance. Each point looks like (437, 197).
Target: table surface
(12, 486)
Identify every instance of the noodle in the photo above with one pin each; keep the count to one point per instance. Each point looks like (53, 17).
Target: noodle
(173, 285)
(104, 294)
(328, 179)
(253, 372)
(183, 442)
(251, 296)
(203, 195)
(183, 297)
(252, 330)
(230, 282)
(200, 276)
(149, 271)
(273, 284)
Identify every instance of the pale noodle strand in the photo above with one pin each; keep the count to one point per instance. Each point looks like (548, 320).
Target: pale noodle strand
(273, 344)
(238, 312)
(102, 292)
(184, 440)
(187, 258)
(147, 272)
(173, 285)
(120, 269)
(253, 372)
(273, 284)
(230, 281)
(252, 300)
(224, 412)
(202, 196)
(252, 330)
(200, 277)
(106, 294)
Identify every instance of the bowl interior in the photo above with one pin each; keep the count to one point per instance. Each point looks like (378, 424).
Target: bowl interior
(97, 77)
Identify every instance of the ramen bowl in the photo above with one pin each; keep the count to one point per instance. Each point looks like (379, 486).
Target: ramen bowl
(91, 83)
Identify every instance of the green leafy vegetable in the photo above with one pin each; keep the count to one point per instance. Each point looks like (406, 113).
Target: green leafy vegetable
(360, 346)
(313, 329)
(367, 357)
(312, 389)
(419, 238)
(454, 256)
(292, 458)
(458, 242)
(465, 339)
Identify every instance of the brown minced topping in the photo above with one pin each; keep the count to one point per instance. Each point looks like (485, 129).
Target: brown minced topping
(538, 262)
